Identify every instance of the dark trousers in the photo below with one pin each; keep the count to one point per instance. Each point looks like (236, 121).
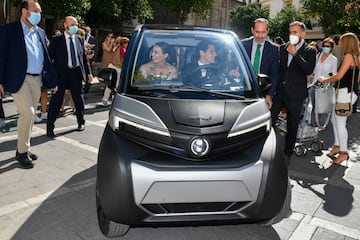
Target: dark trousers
(2, 114)
(72, 80)
(293, 114)
(87, 84)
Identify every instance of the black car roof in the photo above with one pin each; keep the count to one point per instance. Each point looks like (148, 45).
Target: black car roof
(179, 27)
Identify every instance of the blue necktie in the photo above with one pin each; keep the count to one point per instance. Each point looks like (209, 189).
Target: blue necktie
(72, 53)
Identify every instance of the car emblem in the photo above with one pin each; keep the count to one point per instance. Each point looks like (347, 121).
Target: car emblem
(200, 118)
(199, 146)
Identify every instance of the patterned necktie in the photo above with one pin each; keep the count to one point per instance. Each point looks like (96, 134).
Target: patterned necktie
(257, 59)
(72, 53)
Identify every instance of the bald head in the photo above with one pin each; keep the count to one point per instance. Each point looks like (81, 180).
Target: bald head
(70, 25)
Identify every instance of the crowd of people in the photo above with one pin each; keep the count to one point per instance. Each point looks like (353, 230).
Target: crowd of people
(64, 64)
(302, 65)
(47, 67)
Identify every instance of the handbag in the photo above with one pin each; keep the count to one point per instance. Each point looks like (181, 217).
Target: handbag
(324, 102)
(341, 108)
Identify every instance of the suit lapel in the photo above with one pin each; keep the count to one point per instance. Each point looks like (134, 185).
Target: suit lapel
(78, 49)
(63, 42)
(263, 56)
(300, 50)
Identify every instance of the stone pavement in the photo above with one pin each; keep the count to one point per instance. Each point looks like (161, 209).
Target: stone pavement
(56, 199)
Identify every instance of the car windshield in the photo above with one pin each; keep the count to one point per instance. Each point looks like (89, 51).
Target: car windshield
(191, 60)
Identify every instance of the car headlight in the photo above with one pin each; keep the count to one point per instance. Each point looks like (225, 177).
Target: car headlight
(136, 114)
(252, 117)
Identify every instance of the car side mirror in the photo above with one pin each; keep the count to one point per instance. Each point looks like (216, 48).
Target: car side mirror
(264, 82)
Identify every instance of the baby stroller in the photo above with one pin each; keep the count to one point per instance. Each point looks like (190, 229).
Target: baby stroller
(318, 105)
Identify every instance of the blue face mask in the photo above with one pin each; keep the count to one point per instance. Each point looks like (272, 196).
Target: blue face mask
(73, 30)
(326, 49)
(34, 18)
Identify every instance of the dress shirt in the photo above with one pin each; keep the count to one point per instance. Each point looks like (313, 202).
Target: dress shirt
(203, 70)
(34, 50)
(298, 46)
(67, 40)
(87, 38)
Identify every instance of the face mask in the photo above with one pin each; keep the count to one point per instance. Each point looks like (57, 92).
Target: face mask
(34, 18)
(73, 30)
(326, 49)
(293, 39)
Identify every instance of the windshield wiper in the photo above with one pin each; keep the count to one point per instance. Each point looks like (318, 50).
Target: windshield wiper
(179, 88)
(205, 90)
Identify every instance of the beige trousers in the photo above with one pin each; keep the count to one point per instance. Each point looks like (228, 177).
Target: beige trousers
(26, 101)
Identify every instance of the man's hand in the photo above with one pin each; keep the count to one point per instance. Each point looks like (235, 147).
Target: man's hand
(2, 92)
(292, 49)
(90, 76)
(268, 100)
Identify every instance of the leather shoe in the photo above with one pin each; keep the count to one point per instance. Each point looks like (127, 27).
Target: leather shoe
(81, 127)
(50, 133)
(32, 156)
(25, 160)
(288, 152)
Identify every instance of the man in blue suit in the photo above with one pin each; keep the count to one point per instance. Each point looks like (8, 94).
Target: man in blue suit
(24, 67)
(67, 51)
(268, 58)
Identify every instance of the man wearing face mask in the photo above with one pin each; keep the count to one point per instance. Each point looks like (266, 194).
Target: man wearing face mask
(297, 61)
(24, 67)
(67, 51)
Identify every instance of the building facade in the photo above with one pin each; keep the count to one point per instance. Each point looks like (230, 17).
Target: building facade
(275, 6)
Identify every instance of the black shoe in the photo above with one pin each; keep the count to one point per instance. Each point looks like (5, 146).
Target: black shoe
(32, 156)
(50, 133)
(81, 127)
(25, 160)
(288, 152)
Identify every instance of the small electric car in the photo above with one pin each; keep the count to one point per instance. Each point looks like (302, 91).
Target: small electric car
(189, 137)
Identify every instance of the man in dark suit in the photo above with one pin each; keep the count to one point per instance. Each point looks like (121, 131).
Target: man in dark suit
(91, 46)
(199, 73)
(68, 54)
(297, 60)
(268, 61)
(24, 67)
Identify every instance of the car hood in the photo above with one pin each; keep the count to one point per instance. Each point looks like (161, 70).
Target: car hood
(199, 114)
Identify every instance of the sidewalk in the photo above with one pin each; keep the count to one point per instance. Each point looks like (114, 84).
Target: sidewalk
(56, 199)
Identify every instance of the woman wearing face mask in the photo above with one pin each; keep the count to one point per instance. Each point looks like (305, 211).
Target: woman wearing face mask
(326, 65)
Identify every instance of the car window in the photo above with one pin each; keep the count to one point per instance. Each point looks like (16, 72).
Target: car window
(190, 59)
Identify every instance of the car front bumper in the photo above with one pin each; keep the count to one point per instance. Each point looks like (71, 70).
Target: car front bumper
(137, 185)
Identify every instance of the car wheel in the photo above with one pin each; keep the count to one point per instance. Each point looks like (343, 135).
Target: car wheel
(109, 228)
(299, 150)
(315, 147)
(285, 211)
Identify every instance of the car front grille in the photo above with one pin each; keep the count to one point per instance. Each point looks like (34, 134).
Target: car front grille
(178, 208)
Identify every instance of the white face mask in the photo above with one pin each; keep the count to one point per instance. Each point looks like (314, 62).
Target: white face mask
(293, 39)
